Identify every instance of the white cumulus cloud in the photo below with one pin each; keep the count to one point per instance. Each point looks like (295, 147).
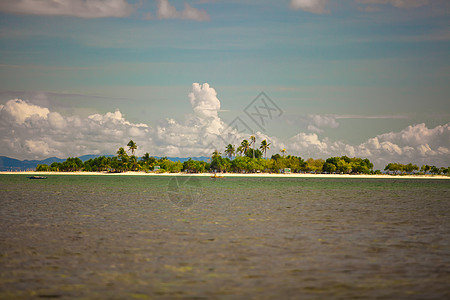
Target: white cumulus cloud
(312, 6)
(75, 8)
(310, 145)
(416, 143)
(29, 131)
(204, 101)
(20, 110)
(318, 122)
(32, 131)
(199, 130)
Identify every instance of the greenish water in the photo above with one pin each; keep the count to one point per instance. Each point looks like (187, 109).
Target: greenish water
(125, 237)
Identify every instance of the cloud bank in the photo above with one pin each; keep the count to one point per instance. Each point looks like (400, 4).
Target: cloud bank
(75, 8)
(29, 131)
(416, 143)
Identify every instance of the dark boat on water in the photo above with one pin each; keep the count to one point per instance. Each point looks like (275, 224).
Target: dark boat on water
(37, 177)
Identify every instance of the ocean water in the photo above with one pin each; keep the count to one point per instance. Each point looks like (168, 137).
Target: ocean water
(142, 237)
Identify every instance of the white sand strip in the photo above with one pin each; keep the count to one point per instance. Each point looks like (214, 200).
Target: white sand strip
(263, 175)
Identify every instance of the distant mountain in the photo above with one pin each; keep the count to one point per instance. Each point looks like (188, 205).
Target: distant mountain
(11, 164)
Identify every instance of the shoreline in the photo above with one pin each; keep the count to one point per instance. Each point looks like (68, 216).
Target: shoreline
(249, 175)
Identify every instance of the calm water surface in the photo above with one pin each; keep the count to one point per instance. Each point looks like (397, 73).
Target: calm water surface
(125, 237)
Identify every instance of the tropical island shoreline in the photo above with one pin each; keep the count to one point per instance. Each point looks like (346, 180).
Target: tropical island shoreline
(248, 175)
(243, 161)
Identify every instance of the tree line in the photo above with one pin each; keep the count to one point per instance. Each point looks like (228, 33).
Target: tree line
(397, 168)
(245, 158)
(122, 162)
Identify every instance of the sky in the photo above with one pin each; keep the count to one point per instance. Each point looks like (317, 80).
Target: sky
(320, 78)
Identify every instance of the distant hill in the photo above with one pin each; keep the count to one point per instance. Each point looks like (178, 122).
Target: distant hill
(11, 164)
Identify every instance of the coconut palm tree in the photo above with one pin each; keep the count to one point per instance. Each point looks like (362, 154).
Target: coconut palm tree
(132, 146)
(216, 154)
(123, 158)
(239, 150)
(252, 143)
(133, 164)
(252, 140)
(121, 153)
(264, 147)
(147, 160)
(245, 146)
(146, 157)
(283, 151)
(229, 150)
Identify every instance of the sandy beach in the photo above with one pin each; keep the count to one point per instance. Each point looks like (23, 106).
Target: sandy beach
(265, 175)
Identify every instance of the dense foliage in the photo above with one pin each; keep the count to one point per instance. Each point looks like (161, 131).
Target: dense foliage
(242, 159)
(396, 168)
(346, 165)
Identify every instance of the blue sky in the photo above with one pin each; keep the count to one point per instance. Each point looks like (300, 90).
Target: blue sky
(344, 73)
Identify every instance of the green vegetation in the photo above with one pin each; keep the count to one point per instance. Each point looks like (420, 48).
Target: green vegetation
(396, 168)
(347, 165)
(242, 159)
(400, 169)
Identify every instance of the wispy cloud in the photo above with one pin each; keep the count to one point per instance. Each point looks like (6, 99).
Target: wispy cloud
(318, 122)
(320, 6)
(397, 3)
(90, 9)
(75, 8)
(168, 11)
(370, 117)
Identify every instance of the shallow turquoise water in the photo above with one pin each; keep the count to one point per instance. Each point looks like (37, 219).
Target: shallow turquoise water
(146, 237)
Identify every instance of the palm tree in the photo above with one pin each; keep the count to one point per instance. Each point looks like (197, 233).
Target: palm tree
(133, 163)
(123, 158)
(229, 150)
(239, 150)
(253, 142)
(245, 146)
(216, 154)
(146, 157)
(132, 146)
(264, 147)
(121, 153)
(283, 151)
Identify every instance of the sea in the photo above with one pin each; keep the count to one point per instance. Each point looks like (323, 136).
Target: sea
(163, 237)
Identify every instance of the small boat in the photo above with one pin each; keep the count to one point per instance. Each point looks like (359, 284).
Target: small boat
(217, 176)
(37, 177)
